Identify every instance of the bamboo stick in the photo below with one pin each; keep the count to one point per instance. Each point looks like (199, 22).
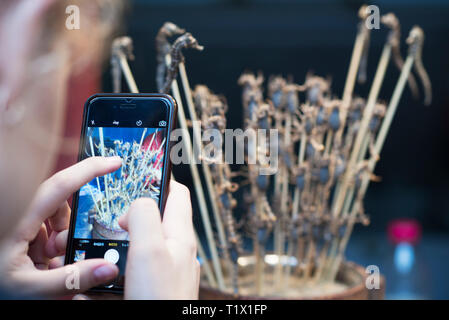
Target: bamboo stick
(205, 263)
(351, 191)
(96, 178)
(198, 188)
(259, 266)
(357, 52)
(377, 149)
(278, 277)
(301, 154)
(100, 129)
(372, 99)
(295, 211)
(127, 73)
(372, 163)
(349, 197)
(341, 193)
(206, 170)
(197, 182)
(143, 137)
(349, 88)
(277, 197)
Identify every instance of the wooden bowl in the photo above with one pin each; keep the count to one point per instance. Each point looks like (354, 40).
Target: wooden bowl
(351, 277)
(100, 231)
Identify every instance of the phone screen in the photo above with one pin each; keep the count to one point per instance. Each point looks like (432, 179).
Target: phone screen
(137, 131)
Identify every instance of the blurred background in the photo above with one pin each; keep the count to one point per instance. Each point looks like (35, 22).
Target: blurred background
(292, 38)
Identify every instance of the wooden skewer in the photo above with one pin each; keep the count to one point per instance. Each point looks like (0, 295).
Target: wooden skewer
(106, 189)
(354, 65)
(351, 77)
(277, 226)
(143, 137)
(96, 178)
(127, 73)
(328, 144)
(121, 49)
(372, 99)
(278, 279)
(206, 170)
(198, 187)
(173, 69)
(351, 191)
(259, 264)
(295, 210)
(391, 110)
(94, 200)
(393, 40)
(205, 263)
(301, 154)
(344, 192)
(357, 52)
(379, 143)
(367, 114)
(204, 260)
(203, 207)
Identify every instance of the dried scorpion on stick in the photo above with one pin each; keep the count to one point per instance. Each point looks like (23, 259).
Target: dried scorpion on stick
(212, 111)
(415, 41)
(261, 217)
(174, 61)
(328, 151)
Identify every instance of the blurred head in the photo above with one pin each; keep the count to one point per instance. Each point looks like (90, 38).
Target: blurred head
(37, 55)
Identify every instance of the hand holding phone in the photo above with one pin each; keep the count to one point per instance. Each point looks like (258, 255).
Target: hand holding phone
(162, 261)
(31, 266)
(136, 128)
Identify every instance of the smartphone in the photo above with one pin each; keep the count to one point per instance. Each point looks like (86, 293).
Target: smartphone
(137, 128)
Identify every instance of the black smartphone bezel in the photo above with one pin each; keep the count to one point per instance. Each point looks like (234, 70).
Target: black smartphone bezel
(170, 102)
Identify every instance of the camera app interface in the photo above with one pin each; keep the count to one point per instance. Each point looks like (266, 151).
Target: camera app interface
(102, 201)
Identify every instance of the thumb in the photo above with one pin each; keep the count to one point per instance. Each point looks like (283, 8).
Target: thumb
(143, 223)
(70, 279)
(148, 257)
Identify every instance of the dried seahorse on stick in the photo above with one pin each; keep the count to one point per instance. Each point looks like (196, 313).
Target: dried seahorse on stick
(121, 51)
(175, 62)
(163, 47)
(184, 41)
(212, 112)
(415, 41)
(392, 22)
(261, 217)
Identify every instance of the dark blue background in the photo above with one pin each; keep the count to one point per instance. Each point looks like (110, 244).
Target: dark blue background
(294, 37)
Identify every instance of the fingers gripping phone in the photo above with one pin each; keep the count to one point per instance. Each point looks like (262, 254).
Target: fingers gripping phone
(137, 128)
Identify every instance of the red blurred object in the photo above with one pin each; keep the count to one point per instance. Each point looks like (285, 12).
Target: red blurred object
(81, 87)
(404, 230)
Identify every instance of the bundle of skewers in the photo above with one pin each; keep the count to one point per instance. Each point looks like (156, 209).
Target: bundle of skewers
(300, 216)
(139, 176)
